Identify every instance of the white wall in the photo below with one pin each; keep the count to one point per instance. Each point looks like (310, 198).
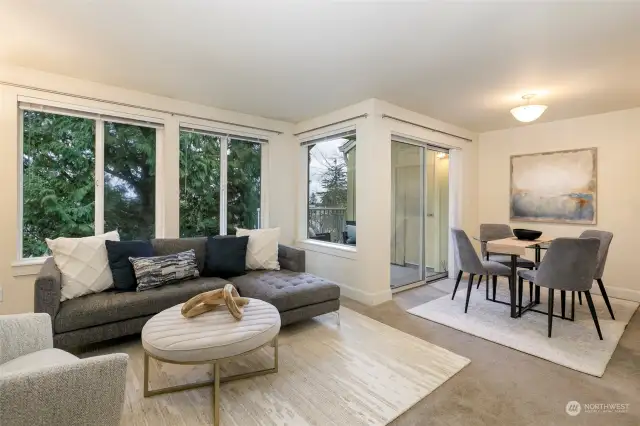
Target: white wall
(340, 264)
(363, 272)
(617, 137)
(17, 289)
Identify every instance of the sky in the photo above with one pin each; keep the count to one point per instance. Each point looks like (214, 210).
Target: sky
(328, 149)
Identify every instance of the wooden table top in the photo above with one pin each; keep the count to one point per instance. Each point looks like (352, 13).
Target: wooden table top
(513, 245)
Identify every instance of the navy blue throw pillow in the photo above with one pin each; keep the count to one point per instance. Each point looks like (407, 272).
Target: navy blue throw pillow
(226, 256)
(118, 253)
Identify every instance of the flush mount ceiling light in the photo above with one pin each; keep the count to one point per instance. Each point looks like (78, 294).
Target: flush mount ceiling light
(528, 113)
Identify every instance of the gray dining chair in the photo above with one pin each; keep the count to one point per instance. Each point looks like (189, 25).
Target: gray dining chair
(498, 231)
(605, 241)
(467, 261)
(569, 265)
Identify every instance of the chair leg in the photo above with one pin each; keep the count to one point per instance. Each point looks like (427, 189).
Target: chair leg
(580, 298)
(456, 287)
(520, 291)
(573, 306)
(592, 308)
(530, 292)
(487, 289)
(466, 305)
(495, 286)
(550, 310)
(479, 281)
(563, 301)
(606, 298)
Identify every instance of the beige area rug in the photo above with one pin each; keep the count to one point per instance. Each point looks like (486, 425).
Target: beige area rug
(573, 344)
(361, 372)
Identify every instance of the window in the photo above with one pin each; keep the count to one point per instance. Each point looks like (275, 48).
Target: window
(220, 183)
(85, 173)
(129, 180)
(58, 174)
(243, 185)
(63, 153)
(199, 184)
(331, 189)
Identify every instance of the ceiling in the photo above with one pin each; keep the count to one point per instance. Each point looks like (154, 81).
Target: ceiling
(465, 63)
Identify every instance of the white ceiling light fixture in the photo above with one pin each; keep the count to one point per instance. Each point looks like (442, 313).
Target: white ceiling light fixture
(528, 113)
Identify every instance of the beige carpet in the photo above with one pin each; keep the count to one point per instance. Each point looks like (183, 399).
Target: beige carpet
(573, 344)
(360, 372)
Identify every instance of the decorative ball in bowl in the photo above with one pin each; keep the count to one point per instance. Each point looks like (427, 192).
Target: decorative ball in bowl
(526, 234)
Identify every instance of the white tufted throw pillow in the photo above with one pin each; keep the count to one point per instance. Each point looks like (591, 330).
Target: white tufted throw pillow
(262, 250)
(83, 263)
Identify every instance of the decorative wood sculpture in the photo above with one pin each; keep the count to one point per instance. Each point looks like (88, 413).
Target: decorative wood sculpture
(209, 300)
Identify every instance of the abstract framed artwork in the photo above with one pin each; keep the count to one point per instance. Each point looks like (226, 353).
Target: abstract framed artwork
(556, 187)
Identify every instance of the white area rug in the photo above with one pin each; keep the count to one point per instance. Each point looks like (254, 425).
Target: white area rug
(573, 344)
(361, 372)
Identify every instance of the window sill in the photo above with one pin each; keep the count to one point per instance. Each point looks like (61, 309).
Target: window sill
(27, 267)
(333, 249)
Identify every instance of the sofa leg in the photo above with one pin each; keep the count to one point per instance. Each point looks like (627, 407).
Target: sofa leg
(337, 313)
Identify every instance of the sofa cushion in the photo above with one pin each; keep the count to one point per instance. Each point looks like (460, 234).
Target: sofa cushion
(286, 289)
(118, 252)
(112, 306)
(226, 257)
(83, 263)
(262, 249)
(165, 246)
(156, 271)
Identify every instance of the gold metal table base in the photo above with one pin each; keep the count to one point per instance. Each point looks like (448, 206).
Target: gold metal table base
(216, 376)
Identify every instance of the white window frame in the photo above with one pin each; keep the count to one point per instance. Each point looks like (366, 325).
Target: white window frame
(225, 135)
(224, 142)
(99, 117)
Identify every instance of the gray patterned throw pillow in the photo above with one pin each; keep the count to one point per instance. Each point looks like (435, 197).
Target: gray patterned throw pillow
(156, 271)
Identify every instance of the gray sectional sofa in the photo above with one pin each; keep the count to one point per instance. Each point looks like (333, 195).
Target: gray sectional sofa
(110, 314)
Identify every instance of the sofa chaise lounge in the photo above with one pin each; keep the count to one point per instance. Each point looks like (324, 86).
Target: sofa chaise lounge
(97, 317)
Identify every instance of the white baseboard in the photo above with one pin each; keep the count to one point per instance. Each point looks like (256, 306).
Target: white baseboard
(618, 292)
(408, 287)
(367, 298)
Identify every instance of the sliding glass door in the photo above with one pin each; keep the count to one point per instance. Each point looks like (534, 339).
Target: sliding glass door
(437, 214)
(419, 213)
(407, 214)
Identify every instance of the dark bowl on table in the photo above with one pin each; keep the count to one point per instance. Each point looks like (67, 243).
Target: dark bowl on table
(527, 234)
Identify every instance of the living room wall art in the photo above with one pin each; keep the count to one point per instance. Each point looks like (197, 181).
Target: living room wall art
(556, 187)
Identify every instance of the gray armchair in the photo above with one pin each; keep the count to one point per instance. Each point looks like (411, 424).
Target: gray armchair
(42, 386)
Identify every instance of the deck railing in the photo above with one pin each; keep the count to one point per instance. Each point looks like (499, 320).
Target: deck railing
(328, 219)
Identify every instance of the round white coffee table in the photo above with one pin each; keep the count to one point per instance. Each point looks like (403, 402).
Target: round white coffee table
(209, 339)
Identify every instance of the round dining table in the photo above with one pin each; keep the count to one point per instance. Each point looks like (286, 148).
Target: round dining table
(514, 248)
